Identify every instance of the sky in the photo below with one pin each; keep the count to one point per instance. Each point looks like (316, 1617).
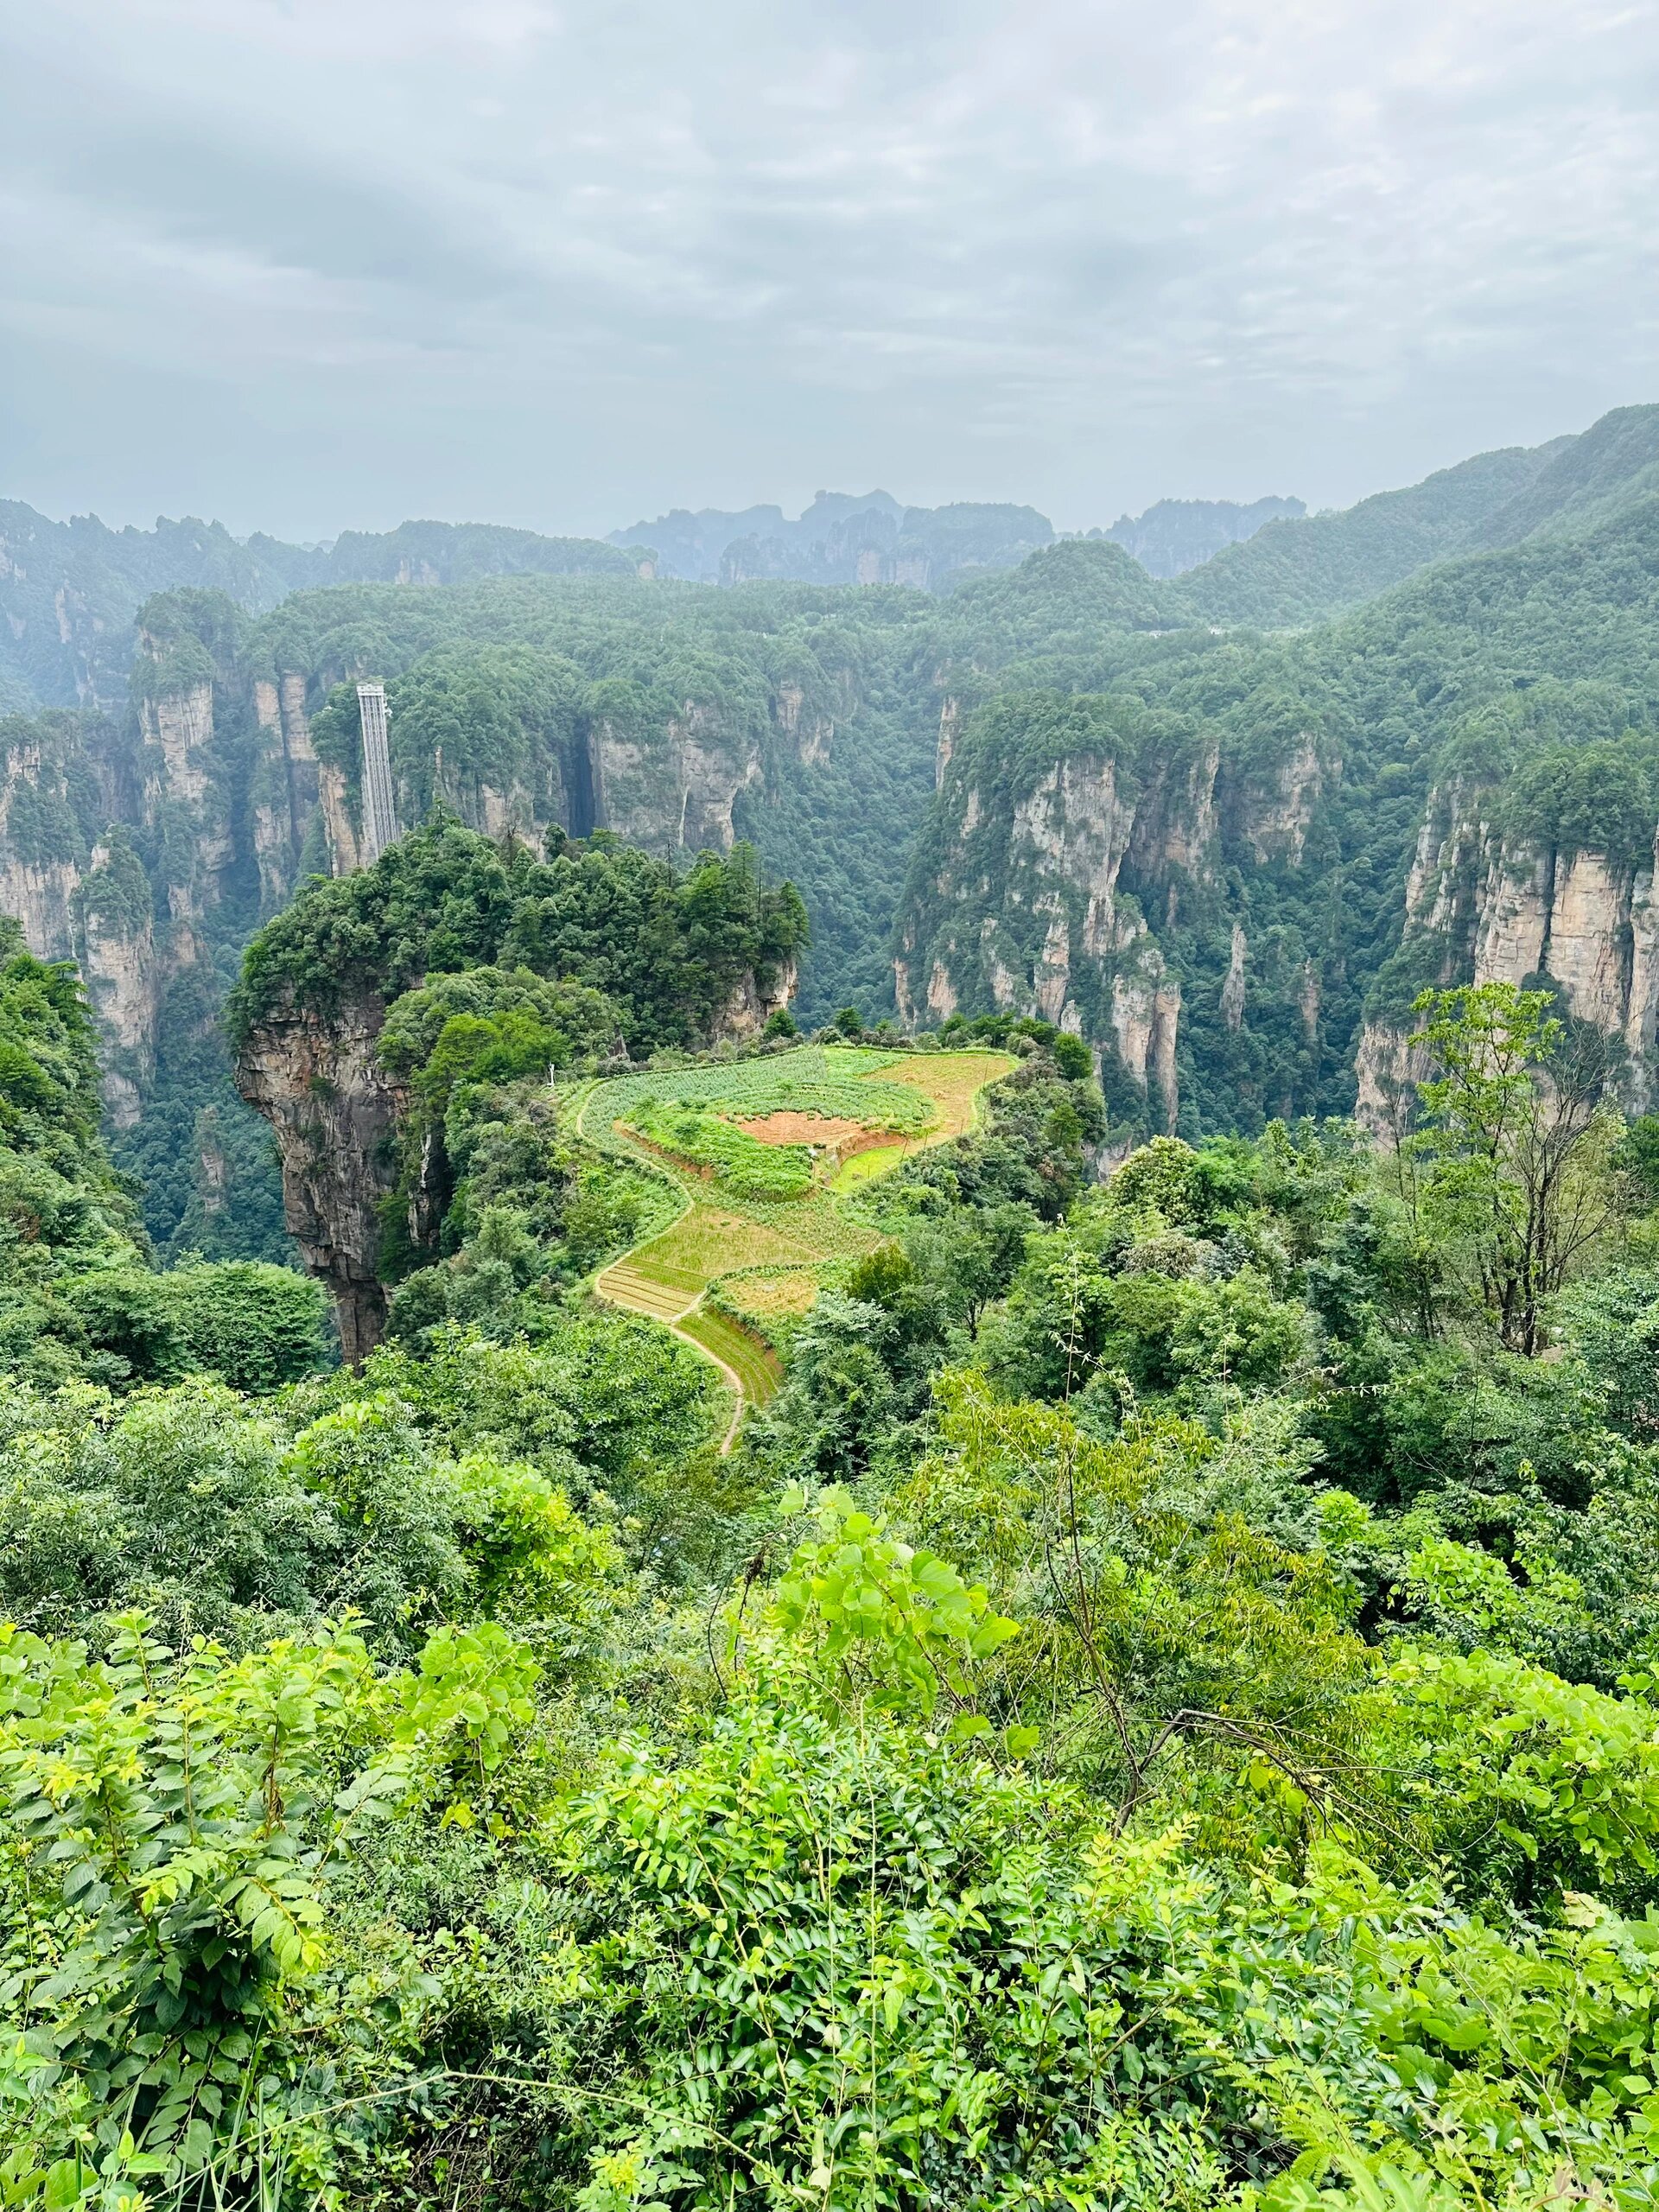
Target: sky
(303, 265)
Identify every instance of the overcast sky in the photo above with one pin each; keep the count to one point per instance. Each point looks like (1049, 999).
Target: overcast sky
(307, 265)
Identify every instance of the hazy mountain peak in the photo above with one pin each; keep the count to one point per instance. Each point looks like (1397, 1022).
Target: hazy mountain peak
(1176, 535)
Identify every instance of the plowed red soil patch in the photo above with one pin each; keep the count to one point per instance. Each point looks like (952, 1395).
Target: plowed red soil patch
(788, 1127)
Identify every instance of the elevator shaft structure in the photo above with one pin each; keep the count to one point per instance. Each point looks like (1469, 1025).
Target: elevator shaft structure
(379, 815)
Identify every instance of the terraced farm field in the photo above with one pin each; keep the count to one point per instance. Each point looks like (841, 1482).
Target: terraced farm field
(838, 1115)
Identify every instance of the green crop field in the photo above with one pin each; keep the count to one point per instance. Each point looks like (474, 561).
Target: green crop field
(746, 1166)
(756, 1369)
(767, 1195)
(764, 1297)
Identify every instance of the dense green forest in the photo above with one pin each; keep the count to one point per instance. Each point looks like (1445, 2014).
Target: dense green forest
(79, 1302)
(501, 687)
(1158, 1709)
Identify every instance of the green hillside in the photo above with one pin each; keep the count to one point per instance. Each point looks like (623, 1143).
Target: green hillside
(1297, 572)
(1587, 482)
(1541, 658)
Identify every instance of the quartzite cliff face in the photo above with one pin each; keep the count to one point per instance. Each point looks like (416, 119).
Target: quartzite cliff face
(138, 847)
(1060, 894)
(118, 840)
(335, 1115)
(1485, 904)
(1183, 913)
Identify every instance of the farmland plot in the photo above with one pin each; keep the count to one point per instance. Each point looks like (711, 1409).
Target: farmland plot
(760, 1155)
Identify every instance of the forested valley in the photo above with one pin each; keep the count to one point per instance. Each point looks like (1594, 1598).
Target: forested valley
(1222, 826)
(887, 1433)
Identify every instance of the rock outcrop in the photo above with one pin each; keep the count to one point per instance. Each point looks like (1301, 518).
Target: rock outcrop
(673, 794)
(42, 843)
(335, 1114)
(1487, 905)
(69, 787)
(1274, 822)
(288, 785)
(1057, 892)
(1387, 1069)
(746, 1013)
(124, 975)
(669, 787)
(1119, 890)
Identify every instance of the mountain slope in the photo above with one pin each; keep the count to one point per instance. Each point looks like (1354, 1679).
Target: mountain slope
(1296, 572)
(1230, 868)
(1588, 481)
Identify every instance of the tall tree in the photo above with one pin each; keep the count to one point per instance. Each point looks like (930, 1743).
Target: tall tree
(1512, 1175)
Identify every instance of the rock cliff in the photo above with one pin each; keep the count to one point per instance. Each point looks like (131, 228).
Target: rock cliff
(1072, 890)
(333, 1113)
(1181, 907)
(1488, 900)
(667, 779)
(76, 791)
(673, 790)
(746, 1013)
(147, 845)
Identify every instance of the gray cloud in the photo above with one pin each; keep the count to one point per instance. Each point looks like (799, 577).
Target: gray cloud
(304, 263)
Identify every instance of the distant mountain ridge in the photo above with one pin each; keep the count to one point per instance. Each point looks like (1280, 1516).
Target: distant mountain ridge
(70, 591)
(1292, 573)
(1177, 535)
(841, 538)
(691, 546)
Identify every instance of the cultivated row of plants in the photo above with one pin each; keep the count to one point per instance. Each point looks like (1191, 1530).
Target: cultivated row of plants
(743, 1164)
(697, 1118)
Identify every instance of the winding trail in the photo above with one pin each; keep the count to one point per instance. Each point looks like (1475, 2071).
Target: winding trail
(676, 1294)
(637, 1294)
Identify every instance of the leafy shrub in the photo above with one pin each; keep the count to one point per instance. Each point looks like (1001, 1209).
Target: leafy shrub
(175, 1823)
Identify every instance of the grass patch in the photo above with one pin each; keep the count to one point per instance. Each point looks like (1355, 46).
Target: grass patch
(864, 1167)
(627, 1285)
(756, 1369)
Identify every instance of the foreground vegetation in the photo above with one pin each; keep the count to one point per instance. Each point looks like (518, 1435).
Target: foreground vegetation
(1158, 1709)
